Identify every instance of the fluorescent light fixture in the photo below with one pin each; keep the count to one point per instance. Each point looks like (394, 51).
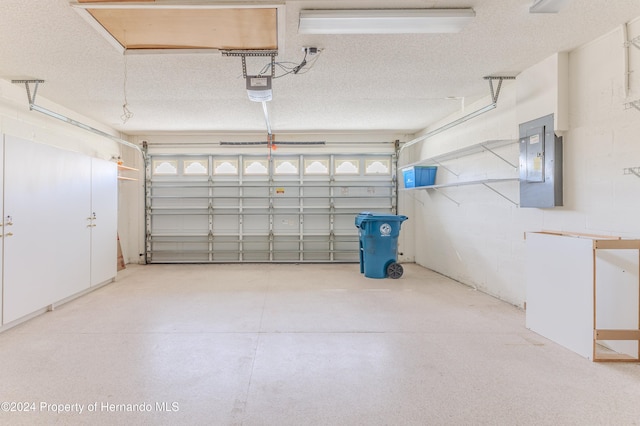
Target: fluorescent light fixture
(384, 21)
(548, 6)
(259, 88)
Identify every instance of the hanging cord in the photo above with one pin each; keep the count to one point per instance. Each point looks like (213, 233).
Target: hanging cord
(126, 113)
(300, 68)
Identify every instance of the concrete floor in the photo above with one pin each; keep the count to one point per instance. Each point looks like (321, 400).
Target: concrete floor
(299, 345)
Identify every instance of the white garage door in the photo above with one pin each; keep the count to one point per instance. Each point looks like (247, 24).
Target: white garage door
(252, 208)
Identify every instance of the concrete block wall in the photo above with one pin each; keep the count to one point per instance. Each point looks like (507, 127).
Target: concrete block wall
(481, 241)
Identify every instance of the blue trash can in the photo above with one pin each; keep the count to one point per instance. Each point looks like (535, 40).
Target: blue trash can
(378, 235)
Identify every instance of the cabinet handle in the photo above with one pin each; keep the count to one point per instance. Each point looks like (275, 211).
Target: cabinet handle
(9, 234)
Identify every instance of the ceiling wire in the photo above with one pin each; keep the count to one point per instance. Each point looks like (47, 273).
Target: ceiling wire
(289, 67)
(126, 113)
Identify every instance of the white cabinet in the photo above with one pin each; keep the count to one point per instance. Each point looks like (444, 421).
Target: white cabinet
(48, 207)
(583, 293)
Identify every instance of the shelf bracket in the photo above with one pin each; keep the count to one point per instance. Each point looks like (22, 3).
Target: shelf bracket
(632, 171)
(500, 194)
(446, 196)
(253, 53)
(500, 157)
(32, 98)
(496, 93)
(447, 168)
(633, 104)
(633, 42)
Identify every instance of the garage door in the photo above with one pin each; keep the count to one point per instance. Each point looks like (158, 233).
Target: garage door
(255, 208)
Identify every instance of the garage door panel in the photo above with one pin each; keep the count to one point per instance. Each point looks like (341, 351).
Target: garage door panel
(180, 223)
(256, 249)
(257, 221)
(317, 222)
(319, 251)
(284, 223)
(226, 224)
(286, 248)
(290, 208)
(226, 248)
(345, 222)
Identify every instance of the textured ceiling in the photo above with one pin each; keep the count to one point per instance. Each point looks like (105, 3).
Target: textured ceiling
(358, 83)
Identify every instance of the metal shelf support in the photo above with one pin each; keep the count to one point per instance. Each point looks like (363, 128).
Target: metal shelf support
(633, 104)
(633, 42)
(632, 171)
(515, 167)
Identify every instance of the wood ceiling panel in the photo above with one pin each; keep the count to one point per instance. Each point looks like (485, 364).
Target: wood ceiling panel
(191, 28)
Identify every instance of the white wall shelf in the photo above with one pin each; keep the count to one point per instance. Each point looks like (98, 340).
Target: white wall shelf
(489, 145)
(486, 146)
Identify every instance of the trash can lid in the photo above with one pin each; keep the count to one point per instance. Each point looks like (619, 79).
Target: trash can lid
(364, 216)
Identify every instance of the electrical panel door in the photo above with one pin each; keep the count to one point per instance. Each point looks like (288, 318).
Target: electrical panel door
(532, 167)
(540, 164)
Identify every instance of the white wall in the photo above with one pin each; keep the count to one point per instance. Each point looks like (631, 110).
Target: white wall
(481, 241)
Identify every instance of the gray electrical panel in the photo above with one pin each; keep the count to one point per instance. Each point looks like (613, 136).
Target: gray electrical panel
(540, 164)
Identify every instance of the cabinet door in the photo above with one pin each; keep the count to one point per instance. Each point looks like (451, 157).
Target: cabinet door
(104, 230)
(47, 196)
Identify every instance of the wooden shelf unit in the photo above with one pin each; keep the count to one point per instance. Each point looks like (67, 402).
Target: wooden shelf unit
(614, 334)
(583, 294)
(126, 168)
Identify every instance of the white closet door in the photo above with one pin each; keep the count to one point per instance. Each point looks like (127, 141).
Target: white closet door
(47, 196)
(104, 237)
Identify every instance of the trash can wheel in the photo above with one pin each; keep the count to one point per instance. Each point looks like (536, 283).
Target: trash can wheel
(394, 270)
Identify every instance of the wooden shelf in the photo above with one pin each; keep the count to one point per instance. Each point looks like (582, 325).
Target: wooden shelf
(127, 168)
(121, 167)
(580, 300)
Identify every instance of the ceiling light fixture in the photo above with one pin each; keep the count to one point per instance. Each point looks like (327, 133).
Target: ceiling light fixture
(384, 21)
(548, 6)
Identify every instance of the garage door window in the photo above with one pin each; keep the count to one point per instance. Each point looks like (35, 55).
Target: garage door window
(256, 167)
(165, 167)
(316, 167)
(347, 167)
(196, 167)
(287, 167)
(377, 167)
(225, 167)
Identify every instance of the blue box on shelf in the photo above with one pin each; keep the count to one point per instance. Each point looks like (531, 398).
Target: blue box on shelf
(419, 176)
